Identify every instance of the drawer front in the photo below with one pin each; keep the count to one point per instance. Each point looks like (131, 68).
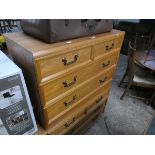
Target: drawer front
(65, 83)
(106, 47)
(105, 62)
(49, 67)
(93, 106)
(95, 97)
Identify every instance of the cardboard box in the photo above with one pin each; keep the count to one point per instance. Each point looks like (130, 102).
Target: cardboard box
(16, 113)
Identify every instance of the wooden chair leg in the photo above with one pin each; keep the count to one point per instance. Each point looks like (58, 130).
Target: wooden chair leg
(127, 88)
(124, 76)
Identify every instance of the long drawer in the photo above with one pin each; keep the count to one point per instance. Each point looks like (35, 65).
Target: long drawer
(48, 67)
(80, 110)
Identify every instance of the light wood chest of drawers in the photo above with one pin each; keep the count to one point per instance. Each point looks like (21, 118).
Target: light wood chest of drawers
(68, 82)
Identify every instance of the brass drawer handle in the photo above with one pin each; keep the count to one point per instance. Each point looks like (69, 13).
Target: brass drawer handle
(103, 80)
(109, 47)
(68, 124)
(106, 64)
(99, 100)
(66, 63)
(70, 84)
(70, 102)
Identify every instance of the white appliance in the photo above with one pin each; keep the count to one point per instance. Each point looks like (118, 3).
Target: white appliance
(16, 114)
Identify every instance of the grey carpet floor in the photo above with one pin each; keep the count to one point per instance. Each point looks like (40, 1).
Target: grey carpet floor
(129, 116)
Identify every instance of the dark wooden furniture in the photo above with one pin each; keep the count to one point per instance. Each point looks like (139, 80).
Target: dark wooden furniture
(137, 74)
(144, 29)
(146, 58)
(68, 82)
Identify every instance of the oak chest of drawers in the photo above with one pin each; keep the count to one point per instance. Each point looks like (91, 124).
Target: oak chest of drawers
(68, 82)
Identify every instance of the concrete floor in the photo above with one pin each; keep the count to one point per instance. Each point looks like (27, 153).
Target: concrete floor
(129, 116)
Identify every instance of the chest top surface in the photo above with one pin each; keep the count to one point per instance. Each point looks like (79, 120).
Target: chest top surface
(39, 48)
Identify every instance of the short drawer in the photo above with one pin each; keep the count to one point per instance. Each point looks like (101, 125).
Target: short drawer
(57, 110)
(66, 100)
(106, 47)
(105, 62)
(48, 67)
(85, 108)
